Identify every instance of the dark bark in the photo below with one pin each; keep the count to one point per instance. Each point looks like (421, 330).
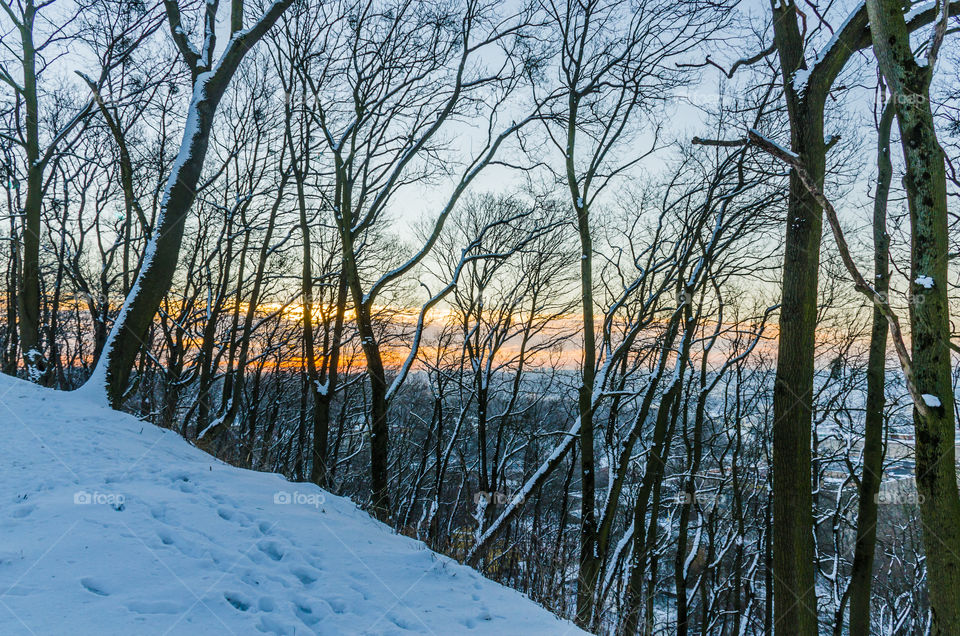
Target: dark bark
(795, 606)
(861, 572)
(795, 603)
(29, 296)
(376, 373)
(925, 182)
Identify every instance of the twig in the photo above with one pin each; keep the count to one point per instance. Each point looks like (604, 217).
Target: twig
(746, 61)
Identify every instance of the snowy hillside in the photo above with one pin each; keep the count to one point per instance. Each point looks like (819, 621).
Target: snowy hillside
(113, 526)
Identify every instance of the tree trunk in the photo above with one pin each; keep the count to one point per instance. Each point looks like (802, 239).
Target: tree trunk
(210, 440)
(795, 602)
(11, 342)
(861, 573)
(925, 183)
(156, 275)
(29, 297)
(590, 557)
(687, 505)
(653, 474)
(379, 433)
(160, 259)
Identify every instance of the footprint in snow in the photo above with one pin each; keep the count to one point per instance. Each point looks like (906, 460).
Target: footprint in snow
(304, 575)
(272, 549)
(399, 621)
(239, 601)
(305, 613)
(166, 538)
(251, 578)
(22, 511)
(159, 513)
(178, 475)
(92, 585)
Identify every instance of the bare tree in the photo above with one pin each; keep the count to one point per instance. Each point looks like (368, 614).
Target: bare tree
(133, 24)
(210, 78)
(390, 80)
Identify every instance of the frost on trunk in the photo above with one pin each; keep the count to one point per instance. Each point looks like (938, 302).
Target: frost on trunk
(210, 80)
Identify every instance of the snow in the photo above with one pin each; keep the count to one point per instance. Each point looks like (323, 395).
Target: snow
(931, 400)
(917, 9)
(800, 78)
(113, 526)
(924, 281)
(832, 43)
(782, 149)
(36, 358)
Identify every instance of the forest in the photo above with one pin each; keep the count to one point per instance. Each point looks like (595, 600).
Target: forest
(643, 308)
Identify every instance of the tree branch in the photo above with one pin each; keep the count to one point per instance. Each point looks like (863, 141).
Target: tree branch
(860, 283)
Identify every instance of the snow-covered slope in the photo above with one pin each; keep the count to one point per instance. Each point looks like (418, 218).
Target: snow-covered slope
(110, 526)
